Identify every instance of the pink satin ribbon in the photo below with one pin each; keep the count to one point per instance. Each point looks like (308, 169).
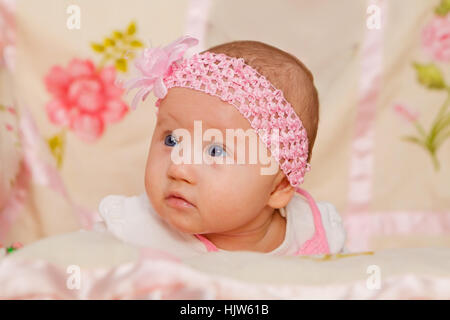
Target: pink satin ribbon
(15, 201)
(362, 227)
(39, 172)
(362, 148)
(162, 279)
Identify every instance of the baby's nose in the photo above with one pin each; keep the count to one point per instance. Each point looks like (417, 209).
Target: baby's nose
(182, 172)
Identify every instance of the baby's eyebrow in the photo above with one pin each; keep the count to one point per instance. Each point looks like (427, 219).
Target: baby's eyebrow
(167, 117)
(163, 118)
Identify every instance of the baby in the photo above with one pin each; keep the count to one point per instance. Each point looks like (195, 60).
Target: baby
(205, 191)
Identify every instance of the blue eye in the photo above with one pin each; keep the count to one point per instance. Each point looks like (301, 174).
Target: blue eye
(170, 139)
(217, 151)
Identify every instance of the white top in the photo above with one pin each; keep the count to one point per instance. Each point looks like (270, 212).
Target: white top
(134, 221)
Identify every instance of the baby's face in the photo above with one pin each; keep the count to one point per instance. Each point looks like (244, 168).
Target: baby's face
(224, 197)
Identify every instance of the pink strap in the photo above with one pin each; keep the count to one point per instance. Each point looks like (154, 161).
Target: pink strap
(318, 244)
(208, 244)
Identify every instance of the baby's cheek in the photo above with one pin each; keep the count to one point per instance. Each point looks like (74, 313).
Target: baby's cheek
(149, 177)
(154, 180)
(223, 203)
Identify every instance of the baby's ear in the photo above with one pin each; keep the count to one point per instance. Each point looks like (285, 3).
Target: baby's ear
(282, 192)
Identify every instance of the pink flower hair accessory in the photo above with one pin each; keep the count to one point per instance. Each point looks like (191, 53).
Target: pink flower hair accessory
(153, 65)
(235, 82)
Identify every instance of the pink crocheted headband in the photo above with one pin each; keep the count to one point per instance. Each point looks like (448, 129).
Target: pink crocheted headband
(235, 82)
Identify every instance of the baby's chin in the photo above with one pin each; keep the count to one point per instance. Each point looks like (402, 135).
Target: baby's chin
(175, 221)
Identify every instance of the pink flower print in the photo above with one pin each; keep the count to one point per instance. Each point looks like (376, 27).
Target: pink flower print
(17, 245)
(84, 99)
(7, 33)
(11, 110)
(436, 38)
(406, 113)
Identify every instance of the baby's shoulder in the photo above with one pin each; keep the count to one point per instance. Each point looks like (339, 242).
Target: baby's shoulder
(301, 207)
(120, 214)
(115, 206)
(329, 212)
(331, 221)
(111, 205)
(333, 225)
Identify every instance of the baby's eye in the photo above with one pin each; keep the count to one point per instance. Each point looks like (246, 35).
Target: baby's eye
(169, 139)
(216, 150)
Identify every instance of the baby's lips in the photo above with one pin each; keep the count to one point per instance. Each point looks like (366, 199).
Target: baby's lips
(179, 195)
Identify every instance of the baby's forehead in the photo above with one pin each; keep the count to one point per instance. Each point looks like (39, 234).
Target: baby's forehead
(183, 106)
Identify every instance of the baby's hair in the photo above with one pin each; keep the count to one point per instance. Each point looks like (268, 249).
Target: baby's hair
(286, 73)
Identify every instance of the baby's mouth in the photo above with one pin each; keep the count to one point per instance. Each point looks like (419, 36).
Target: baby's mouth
(176, 200)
